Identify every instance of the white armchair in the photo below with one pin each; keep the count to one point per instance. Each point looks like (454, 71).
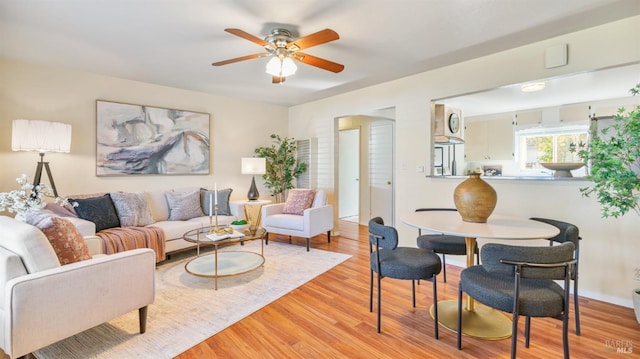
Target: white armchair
(314, 220)
(42, 302)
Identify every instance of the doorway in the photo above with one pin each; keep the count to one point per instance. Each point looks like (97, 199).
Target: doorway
(372, 194)
(348, 180)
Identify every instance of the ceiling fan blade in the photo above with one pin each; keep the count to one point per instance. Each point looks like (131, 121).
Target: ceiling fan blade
(247, 36)
(318, 62)
(238, 59)
(314, 39)
(277, 79)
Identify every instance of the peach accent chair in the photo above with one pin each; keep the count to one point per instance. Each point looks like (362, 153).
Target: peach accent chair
(315, 220)
(43, 302)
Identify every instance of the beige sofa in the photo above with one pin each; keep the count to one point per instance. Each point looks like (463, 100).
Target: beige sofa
(161, 211)
(42, 302)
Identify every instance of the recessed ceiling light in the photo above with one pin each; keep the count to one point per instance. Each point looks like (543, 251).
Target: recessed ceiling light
(532, 87)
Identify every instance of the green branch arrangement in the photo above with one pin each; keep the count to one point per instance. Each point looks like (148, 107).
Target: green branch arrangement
(613, 157)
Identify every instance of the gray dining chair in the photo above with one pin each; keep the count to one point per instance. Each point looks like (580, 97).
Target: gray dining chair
(521, 280)
(568, 233)
(443, 243)
(408, 263)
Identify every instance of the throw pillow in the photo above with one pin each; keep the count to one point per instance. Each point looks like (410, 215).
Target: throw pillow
(223, 201)
(65, 239)
(184, 205)
(298, 200)
(132, 208)
(99, 210)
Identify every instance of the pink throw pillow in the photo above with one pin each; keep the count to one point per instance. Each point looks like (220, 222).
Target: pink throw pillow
(64, 237)
(298, 200)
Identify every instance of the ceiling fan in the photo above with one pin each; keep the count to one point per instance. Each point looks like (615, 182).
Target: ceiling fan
(281, 45)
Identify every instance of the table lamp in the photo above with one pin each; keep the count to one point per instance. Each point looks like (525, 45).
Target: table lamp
(41, 136)
(253, 166)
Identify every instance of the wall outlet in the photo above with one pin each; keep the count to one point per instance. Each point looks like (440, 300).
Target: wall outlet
(636, 273)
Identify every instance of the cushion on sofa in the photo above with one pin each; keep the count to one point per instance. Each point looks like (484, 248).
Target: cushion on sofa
(99, 210)
(132, 208)
(223, 201)
(298, 200)
(320, 199)
(158, 204)
(184, 205)
(29, 243)
(65, 239)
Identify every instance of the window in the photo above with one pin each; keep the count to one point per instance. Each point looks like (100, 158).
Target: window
(548, 144)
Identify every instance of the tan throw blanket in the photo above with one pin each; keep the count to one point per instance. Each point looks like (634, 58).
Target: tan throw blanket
(120, 239)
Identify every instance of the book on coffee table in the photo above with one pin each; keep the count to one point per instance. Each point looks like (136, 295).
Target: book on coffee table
(218, 237)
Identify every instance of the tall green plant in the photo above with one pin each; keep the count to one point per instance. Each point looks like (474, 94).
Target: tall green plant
(614, 161)
(282, 166)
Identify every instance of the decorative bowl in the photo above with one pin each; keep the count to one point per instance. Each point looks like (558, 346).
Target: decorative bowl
(239, 227)
(562, 169)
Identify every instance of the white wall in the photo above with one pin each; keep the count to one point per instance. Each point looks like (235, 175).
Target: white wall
(609, 251)
(44, 93)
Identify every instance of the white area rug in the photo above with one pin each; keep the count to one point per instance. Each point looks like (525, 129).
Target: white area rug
(187, 309)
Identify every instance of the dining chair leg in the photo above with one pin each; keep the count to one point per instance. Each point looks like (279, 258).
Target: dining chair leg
(514, 335)
(444, 268)
(379, 301)
(459, 319)
(413, 292)
(565, 337)
(308, 240)
(527, 331)
(565, 321)
(328, 236)
(435, 306)
(266, 238)
(370, 291)
(575, 305)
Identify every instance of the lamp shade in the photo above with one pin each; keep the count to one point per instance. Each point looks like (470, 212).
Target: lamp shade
(253, 166)
(281, 67)
(41, 136)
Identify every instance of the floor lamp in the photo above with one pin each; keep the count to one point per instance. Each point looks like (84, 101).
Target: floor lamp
(253, 166)
(41, 136)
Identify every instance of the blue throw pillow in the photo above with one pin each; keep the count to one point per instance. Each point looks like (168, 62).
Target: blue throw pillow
(99, 210)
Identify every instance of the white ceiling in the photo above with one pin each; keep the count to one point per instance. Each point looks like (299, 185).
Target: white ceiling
(173, 42)
(604, 84)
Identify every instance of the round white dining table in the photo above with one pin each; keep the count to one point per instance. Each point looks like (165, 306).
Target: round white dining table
(479, 321)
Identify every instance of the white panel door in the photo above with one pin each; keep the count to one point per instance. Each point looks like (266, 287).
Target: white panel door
(349, 173)
(381, 155)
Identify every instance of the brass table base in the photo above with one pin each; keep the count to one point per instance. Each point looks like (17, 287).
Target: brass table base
(483, 323)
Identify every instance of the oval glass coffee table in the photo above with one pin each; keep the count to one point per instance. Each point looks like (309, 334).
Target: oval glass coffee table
(223, 263)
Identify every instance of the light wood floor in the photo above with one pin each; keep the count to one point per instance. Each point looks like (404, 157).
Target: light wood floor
(329, 317)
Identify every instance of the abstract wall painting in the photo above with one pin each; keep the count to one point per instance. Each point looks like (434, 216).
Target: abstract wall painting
(146, 140)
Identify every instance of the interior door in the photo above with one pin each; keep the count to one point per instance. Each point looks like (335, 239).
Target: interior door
(381, 155)
(349, 185)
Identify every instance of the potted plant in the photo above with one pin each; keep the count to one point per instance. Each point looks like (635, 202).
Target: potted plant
(282, 166)
(613, 157)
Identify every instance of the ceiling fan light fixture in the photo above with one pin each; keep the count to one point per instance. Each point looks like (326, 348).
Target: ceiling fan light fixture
(288, 67)
(281, 67)
(273, 66)
(532, 87)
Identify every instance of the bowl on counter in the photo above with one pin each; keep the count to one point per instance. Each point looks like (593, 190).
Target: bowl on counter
(562, 169)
